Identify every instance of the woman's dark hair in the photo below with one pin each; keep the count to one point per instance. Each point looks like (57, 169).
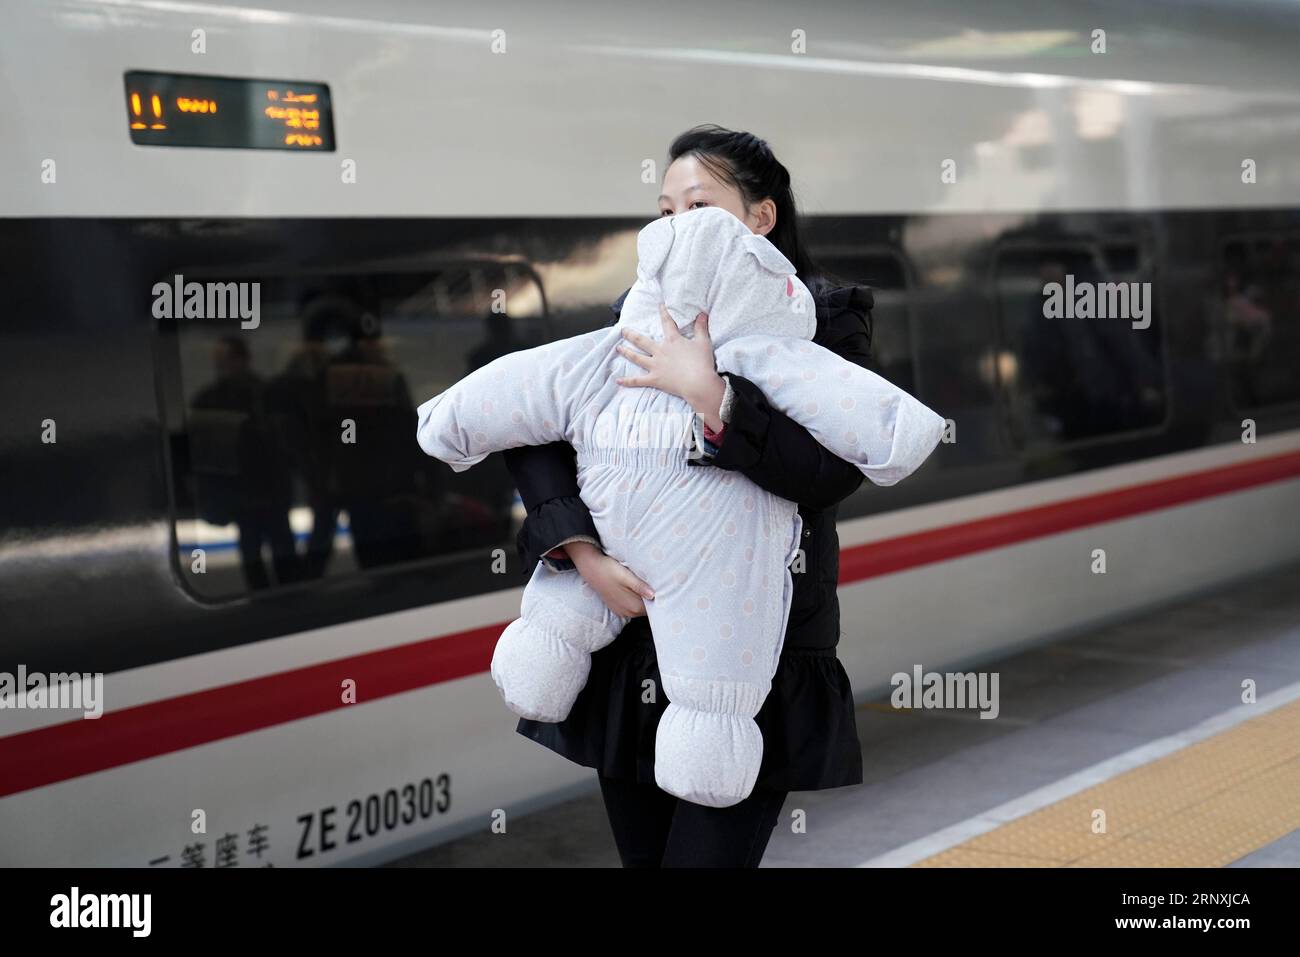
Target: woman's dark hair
(747, 163)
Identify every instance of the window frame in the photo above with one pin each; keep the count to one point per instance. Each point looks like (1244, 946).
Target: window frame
(1094, 246)
(170, 392)
(843, 250)
(1220, 327)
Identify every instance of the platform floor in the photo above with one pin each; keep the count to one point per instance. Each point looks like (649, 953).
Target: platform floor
(1129, 745)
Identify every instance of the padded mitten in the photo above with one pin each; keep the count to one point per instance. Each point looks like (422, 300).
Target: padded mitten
(542, 659)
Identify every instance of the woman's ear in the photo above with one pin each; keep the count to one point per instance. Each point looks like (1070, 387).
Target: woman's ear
(768, 256)
(652, 246)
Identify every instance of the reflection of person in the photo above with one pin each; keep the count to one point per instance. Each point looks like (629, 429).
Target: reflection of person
(808, 719)
(1249, 324)
(1090, 375)
(298, 398)
(378, 473)
(254, 489)
(1249, 329)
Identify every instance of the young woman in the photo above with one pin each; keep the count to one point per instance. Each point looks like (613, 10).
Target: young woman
(810, 739)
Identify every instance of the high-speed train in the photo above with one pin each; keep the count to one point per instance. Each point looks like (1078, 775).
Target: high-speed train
(293, 627)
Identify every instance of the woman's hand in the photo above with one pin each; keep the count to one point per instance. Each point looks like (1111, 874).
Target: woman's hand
(680, 366)
(623, 593)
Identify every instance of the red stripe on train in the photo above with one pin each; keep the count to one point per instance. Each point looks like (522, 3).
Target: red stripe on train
(83, 746)
(965, 538)
(44, 756)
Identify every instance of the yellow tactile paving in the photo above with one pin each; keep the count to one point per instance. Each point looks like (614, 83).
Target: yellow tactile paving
(961, 857)
(1206, 805)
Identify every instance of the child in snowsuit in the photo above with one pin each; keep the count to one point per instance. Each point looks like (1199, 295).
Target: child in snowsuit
(713, 546)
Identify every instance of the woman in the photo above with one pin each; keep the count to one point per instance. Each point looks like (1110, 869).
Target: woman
(810, 737)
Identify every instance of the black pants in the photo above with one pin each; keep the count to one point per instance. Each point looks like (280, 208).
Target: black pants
(652, 828)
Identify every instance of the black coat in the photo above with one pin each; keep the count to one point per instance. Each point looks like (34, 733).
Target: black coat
(808, 719)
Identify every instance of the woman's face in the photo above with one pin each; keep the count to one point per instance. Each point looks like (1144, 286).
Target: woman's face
(688, 184)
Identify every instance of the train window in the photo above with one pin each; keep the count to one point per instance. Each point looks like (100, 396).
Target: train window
(1259, 305)
(1123, 258)
(891, 335)
(1075, 377)
(296, 456)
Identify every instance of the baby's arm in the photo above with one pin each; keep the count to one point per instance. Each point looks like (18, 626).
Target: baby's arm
(855, 413)
(524, 398)
(777, 453)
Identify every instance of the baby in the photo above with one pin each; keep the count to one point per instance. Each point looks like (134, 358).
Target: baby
(713, 546)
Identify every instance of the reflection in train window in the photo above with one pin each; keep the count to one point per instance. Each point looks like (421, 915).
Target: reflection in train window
(1123, 258)
(297, 458)
(891, 337)
(1259, 305)
(1071, 378)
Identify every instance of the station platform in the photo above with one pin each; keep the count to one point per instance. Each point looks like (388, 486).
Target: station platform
(1132, 745)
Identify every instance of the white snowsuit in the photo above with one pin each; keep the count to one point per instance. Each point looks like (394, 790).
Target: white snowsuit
(713, 546)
